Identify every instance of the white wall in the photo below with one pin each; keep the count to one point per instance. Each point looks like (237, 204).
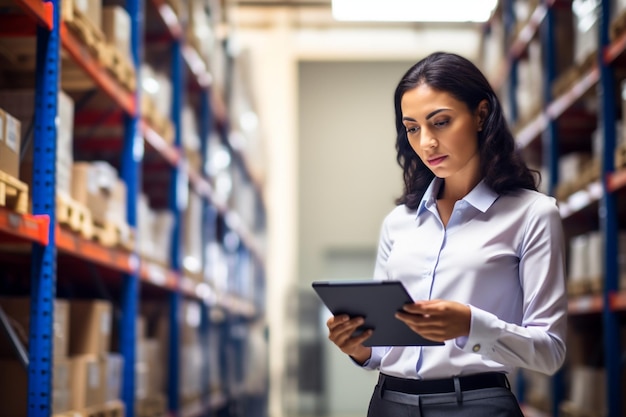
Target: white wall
(348, 179)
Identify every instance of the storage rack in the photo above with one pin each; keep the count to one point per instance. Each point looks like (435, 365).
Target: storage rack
(597, 204)
(49, 240)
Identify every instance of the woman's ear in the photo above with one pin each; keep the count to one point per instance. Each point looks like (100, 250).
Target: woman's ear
(482, 112)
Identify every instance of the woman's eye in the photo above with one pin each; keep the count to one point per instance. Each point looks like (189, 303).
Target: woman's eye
(410, 129)
(442, 123)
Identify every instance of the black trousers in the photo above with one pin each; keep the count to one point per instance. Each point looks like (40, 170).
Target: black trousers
(395, 397)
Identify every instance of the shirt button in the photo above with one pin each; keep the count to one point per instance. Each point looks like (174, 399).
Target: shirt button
(476, 348)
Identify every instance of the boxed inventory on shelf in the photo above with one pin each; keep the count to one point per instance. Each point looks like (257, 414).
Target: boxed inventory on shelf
(9, 144)
(90, 327)
(116, 28)
(21, 104)
(14, 392)
(97, 186)
(18, 311)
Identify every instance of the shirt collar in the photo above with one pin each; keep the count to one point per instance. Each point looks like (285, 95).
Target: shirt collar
(481, 197)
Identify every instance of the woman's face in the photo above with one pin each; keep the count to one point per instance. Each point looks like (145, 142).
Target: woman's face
(443, 131)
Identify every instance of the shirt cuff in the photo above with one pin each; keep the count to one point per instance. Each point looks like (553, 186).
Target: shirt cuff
(483, 335)
(375, 358)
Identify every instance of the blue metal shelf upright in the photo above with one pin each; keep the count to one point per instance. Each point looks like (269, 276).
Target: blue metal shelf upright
(132, 156)
(609, 224)
(178, 193)
(43, 275)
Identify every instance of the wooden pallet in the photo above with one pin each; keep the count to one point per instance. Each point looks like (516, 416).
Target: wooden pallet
(578, 287)
(618, 26)
(118, 65)
(111, 234)
(596, 285)
(91, 35)
(74, 215)
(161, 124)
(620, 157)
(153, 406)
(110, 409)
(13, 193)
(569, 409)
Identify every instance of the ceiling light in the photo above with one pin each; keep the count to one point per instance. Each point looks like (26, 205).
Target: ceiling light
(414, 10)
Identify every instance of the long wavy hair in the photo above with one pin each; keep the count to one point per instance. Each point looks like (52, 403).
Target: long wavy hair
(502, 167)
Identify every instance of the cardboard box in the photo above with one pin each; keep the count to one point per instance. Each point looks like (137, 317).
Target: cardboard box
(21, 103)
(9, 144)
(61, 387)
(87, 381)
(14, 392)
(95, 184)
(113, 376)
(116, 28)
(18, 310)
(90, 327)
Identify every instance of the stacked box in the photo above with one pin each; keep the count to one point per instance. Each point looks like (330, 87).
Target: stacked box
(116, 28)
(90, 327)
(193, 235)
(14, 393)
(92, 10)
(586, 21)
(21, 104)
(162, 226)
(13, 378)
(87, 375)
(529, 88)
(9, 144)
(97, 186)
(96, 371)
(145, 223)
(18, 310)
(113, 374)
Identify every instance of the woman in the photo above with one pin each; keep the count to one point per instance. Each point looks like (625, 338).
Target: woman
(477, 247)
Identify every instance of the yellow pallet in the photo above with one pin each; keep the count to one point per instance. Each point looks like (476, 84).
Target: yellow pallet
(13, 193)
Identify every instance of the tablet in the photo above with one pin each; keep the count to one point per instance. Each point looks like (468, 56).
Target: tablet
(377, 302)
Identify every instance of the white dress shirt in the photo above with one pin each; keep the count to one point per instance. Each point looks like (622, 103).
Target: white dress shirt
(503, 256)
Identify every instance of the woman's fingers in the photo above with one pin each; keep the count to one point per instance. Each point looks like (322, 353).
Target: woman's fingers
(341, 333)
(437, 319)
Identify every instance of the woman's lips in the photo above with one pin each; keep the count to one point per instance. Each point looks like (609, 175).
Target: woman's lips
(436, 160)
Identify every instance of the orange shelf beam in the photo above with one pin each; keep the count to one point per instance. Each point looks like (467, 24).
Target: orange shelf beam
(39, 10)
(614, 49)
(169, 18)
(586, 304)
(113, 258)
(78, 51)
(617, 180)
(617, 301)
(169, 152)
(33, 228)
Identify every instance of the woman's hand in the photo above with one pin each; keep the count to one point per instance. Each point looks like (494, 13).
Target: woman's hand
(340, 333)
(437, 320)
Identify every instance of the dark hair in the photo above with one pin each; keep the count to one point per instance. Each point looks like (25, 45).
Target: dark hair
(502, 167)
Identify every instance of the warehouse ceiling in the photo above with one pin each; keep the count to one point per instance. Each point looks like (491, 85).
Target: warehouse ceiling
(317, 13)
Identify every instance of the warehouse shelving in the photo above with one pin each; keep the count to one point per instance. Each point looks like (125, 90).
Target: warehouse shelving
(598, 198)
(38, 10)
(24, 227)
(51, 240)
